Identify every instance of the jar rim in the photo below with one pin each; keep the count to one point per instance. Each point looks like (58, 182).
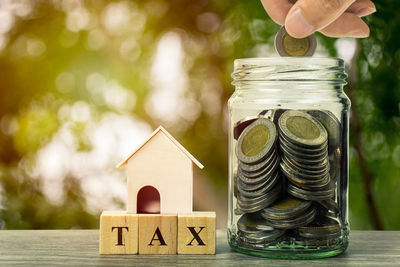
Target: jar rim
(248, 71)
(282, 61)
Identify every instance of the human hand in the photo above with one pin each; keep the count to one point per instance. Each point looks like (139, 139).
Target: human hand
(334, 18)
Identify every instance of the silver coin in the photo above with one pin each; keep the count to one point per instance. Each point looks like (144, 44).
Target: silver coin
(321, 228)
(256, 180)
(302, 160)
(259, 166)
(266, 113)
(246, 201)
(246, 191)
(295, 173)
(302, 129)
(306, 150)
(299, 154)
(276, 114)
(261, 191)
(235, 184)
(316, 242)
(290, 174)
(309, 195)
(237, 211)
(268, 199)
(251, 223)
(291, 165)
(323, 192)
(263, 183)
(330, 205)
(315, 166)
(332, 126)
(261, 237)
(256, 141)
(310, 185)
(241, 125)
(286, 208)
(294, 223)
(334, 162)
(270, 161)
(288, 46)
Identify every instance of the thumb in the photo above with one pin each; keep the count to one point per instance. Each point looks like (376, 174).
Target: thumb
(308, 16)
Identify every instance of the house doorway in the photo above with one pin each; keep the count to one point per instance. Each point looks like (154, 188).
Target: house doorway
(148, 200)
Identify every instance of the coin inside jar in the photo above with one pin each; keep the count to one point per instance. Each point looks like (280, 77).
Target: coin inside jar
(331, 124)
(288, 46)
(251, 223)
(256, 141)
(288, 207)
(302, 129)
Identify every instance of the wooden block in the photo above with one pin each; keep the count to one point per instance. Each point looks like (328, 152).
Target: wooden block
(157, 233)
(196, 233)
(118, 233)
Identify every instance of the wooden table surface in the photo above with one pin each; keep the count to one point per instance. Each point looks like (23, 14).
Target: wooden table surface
(80, 248)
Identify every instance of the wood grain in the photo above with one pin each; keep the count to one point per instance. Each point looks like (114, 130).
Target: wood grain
(118, 233)
(158, 233)
(196, 233)
(80, 248)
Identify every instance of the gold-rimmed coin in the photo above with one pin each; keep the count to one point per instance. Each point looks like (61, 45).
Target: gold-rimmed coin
(288, 46)
(256, 141)
(302, 129)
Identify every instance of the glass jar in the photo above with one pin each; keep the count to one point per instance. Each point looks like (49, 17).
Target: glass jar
(288, 158)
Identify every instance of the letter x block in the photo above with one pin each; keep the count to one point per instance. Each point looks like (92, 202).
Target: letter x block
(157, 233)
(118, 233)
(196, 233)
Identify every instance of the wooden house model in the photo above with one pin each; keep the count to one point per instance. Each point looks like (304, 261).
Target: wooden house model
(160, 176)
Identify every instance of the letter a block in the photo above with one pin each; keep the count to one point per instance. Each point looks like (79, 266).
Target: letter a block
(157, 233)
(118, 233)
(196, 233)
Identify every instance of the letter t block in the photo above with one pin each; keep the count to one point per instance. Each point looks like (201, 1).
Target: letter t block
(118, 233)
(196, 233)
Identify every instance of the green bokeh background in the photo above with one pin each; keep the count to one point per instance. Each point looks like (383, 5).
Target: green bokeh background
(40, 40)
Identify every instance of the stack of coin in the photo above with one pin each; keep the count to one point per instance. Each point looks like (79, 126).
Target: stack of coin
(334, 129)
(258, 176)
(303, 143)
(289, 213)
(253, 229)
(287, 169)
(322, 232)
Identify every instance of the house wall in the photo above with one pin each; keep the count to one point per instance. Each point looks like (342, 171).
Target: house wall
(161, 164)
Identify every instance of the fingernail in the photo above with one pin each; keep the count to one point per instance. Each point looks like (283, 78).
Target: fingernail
(297, 26)
(365, 11)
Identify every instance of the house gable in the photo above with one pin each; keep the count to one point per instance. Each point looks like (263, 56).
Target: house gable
(162, 165)
(161, 130)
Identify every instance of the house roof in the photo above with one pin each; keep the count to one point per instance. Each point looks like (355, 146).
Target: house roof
(160, 128)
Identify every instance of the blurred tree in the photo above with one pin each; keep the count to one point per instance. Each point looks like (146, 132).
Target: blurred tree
(68, 67)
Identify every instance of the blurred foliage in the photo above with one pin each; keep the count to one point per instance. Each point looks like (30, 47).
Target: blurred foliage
(53, 49)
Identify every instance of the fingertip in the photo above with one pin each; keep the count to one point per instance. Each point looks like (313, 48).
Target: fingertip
(277, 10)
(362, 8)
(363, 32)
(296, 25)
(347, 25)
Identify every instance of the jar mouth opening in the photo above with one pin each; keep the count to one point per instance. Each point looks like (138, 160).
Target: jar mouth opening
(290, 69)
(284, 61)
